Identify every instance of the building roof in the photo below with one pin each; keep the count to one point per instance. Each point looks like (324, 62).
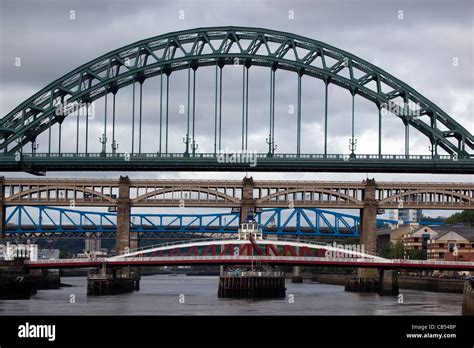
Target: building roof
(465, 231)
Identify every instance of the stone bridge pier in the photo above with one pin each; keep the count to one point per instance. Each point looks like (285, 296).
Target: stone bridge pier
(385, 282)
(247, 206)
(122, 236)
(368, 226)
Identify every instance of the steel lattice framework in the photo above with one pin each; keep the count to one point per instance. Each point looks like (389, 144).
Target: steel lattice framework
(53, 222)
(218, 46)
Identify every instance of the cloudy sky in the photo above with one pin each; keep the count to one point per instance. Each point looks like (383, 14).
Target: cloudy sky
(416, 41)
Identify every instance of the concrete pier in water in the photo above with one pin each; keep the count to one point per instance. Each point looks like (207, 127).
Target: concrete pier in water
(112, 282)
(252, 285)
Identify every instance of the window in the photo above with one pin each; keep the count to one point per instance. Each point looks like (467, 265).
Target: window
(441, 255)
(415, 247)
(451, 247)
(416, 239)
(441, 245)
(462, 245)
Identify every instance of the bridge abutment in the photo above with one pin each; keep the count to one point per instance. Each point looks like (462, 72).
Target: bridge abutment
(122, 236)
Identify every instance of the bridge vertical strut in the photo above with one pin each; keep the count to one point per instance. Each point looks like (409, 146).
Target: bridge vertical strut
(215, 117)
(87, 125)
(380, 129)
(193, 144)
(298, 120)
(140, 117)
(133, 114)
(220, 104)
(243, 107)
(326, 85)
(161, 111)
(168, 73)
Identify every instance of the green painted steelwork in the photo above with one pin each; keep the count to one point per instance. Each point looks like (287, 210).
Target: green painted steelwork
(371, 163)
(219, 46)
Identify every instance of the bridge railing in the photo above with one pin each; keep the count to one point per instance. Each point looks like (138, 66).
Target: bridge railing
(148, 247)
(154, 155)
(386, 262)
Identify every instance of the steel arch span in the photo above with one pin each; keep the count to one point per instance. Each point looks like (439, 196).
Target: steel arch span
(219, 46)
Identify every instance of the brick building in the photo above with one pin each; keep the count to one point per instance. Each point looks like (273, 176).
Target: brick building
(449, 242)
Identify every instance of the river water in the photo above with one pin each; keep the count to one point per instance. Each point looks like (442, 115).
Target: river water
(197, 295)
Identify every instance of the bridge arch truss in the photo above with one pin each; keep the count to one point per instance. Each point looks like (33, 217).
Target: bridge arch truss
(219, 46)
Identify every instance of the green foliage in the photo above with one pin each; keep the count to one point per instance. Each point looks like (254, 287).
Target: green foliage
(467, 216)
(398, 251)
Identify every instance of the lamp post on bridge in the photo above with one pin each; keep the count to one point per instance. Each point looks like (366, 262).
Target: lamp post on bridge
(103, 141)
(352, 147)
(114, 146)
(194, 147)
(271, 146)
(187, 140)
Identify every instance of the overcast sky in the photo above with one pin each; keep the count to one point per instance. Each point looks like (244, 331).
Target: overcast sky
(416, 41)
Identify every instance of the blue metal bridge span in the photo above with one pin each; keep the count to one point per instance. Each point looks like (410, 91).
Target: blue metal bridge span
(45, 222)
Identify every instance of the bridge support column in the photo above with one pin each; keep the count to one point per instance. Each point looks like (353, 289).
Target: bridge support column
(297, 277)
(247, 207)
(388, 283)
(468, 298)
(122, 235)
(2, 211)
(368, 226)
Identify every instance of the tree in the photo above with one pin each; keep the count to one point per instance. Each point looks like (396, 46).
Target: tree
(398, 251)
(466, 216)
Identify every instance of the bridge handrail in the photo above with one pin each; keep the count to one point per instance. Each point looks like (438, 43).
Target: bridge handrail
(168, 244)
(254, 258)
(302, 156)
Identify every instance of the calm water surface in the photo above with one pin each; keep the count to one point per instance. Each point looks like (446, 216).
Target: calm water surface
(160, 295)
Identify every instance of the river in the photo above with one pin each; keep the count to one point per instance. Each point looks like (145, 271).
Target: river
(197, 295)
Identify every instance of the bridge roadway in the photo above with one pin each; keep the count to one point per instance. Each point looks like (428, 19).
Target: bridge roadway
(244, 260)
(232, 251)
(39, 163)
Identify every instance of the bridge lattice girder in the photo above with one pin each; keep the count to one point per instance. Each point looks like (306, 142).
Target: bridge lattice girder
(223, 45)
(53, 222)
